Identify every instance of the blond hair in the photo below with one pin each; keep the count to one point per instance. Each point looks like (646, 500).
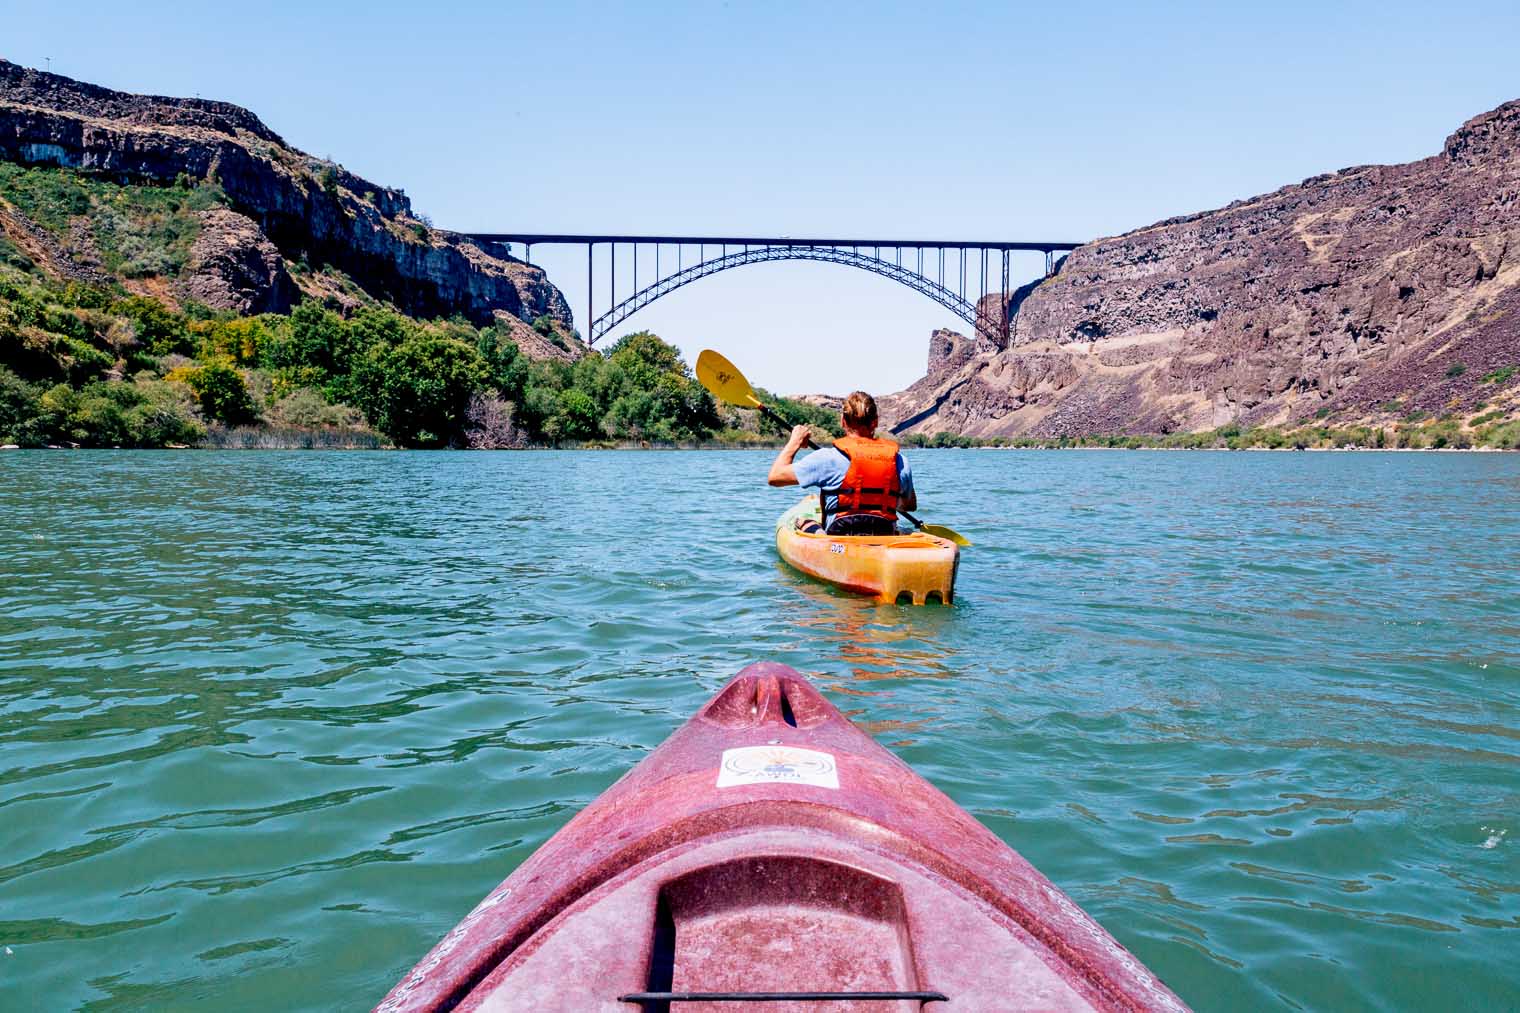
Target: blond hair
(859, 411)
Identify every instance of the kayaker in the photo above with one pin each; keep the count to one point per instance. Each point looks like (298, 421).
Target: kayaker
(861, 480)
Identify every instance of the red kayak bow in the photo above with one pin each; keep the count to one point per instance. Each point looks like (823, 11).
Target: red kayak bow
(771, 856)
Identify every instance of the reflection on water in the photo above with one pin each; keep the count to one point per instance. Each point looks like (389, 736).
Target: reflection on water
(876, 641)
(271, 723)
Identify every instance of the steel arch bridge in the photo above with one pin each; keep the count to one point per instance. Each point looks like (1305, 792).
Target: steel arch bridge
(958, 275)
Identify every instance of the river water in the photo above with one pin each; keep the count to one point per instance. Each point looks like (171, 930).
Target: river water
(271, 723)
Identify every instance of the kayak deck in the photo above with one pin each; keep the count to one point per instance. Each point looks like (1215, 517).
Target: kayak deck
(769, 846)
(915, 567)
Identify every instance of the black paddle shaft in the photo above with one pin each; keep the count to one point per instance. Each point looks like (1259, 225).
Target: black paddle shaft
(772, 413)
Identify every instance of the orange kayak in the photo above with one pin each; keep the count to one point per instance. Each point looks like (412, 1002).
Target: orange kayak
(916, 568)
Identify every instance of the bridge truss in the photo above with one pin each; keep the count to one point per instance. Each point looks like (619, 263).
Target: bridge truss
(957, 275)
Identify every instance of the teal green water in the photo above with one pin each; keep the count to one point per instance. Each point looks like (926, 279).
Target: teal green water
(271, 723)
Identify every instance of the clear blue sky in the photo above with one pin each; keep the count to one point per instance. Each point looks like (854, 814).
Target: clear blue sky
(1046, 121)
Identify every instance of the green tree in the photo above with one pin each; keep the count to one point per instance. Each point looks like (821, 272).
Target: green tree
(223, 394)
(539, 408)
(144, 413)
(247, 341)
(20, 411)
(796, 413)
(650, 351)
(161, 330)
(312, 341)
(162, 415)
(506, 366)
(83, 360)
(370, 327)
(418, 392)
(578, 415)
(630, 415)
(684, 405)
(74, 416)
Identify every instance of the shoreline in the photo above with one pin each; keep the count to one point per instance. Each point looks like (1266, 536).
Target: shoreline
(1496, 433)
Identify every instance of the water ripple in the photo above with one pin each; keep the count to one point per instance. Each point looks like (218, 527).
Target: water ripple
(288, 716)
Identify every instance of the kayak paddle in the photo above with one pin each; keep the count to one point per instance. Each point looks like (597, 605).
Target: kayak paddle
(726, 383)
(937, 530)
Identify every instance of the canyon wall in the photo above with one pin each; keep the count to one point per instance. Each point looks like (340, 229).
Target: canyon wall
(1361, 295)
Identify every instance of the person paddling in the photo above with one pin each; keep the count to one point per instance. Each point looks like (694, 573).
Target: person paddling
(862, 480)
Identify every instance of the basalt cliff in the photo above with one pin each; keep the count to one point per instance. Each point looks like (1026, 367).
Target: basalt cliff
(1375, 293)
(283, 208)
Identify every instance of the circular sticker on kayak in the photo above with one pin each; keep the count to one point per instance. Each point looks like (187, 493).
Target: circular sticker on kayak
(784, 764)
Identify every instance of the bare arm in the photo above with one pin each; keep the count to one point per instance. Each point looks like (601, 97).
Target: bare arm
(782, 472)
(909, 499)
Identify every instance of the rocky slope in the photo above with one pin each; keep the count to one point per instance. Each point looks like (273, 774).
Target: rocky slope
(285, 207)
(1369, 294)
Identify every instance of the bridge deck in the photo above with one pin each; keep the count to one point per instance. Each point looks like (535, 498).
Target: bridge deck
(535, 238)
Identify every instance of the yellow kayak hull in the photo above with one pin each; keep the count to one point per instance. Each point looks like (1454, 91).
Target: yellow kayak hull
(906, 567)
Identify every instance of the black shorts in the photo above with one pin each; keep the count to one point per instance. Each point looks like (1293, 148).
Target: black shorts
(862, 524)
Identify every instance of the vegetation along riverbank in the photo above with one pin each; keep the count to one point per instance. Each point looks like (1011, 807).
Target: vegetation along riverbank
(110, 360)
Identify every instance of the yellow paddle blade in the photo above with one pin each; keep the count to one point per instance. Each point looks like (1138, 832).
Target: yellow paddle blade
(937, 530)
(949, 534)
(725, 381)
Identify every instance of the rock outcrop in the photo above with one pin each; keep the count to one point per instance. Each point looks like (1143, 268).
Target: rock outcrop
(234, 266)
(1362, 294)
(948, 352)
(537, 343)
(308, 209)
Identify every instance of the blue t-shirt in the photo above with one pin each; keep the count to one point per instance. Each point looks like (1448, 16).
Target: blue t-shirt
(825, 469)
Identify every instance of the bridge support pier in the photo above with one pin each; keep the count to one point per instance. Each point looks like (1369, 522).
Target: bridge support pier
(1007, 296)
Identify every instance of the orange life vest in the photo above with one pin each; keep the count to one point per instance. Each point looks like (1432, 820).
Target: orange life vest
(870, 485)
